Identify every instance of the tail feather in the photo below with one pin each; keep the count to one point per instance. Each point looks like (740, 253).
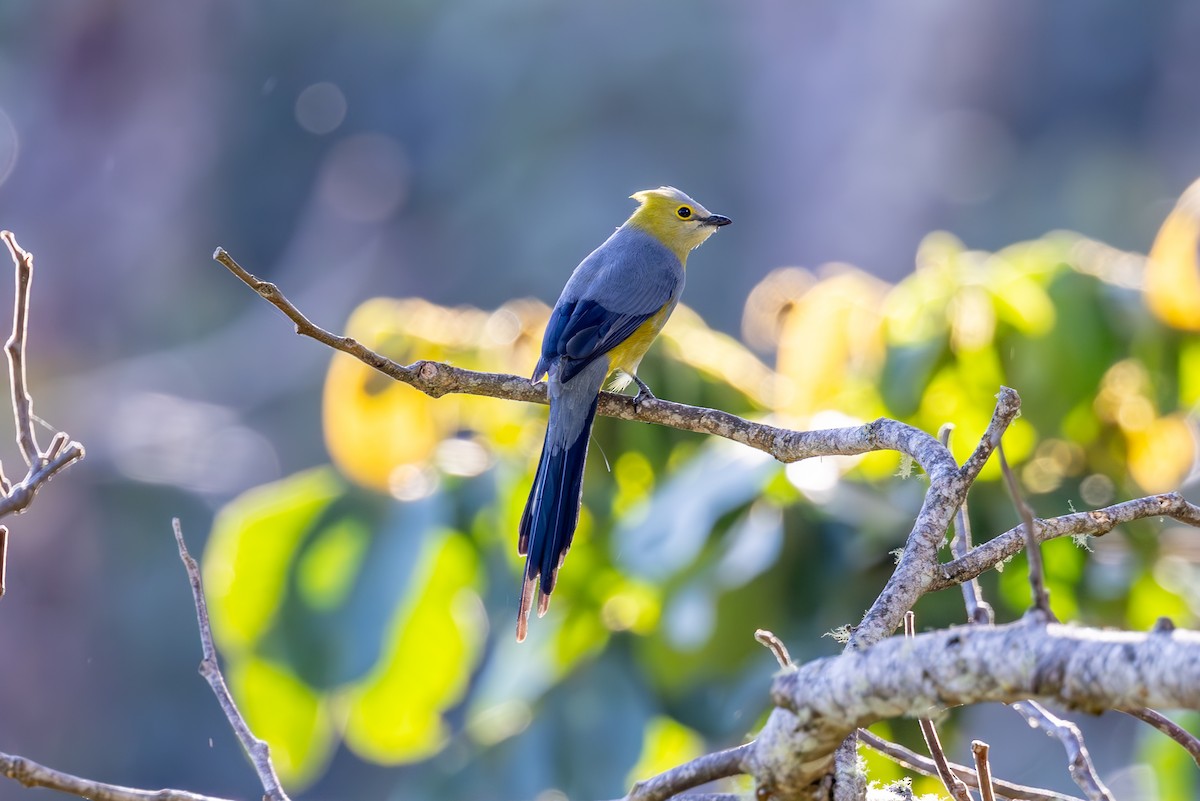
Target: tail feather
(552, 511)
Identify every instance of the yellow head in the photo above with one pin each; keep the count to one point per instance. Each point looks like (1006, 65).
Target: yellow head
(674, 219)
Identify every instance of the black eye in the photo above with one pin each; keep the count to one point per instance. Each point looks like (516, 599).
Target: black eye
(684, 212)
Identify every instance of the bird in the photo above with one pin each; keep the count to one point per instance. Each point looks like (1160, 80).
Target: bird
(611, 309)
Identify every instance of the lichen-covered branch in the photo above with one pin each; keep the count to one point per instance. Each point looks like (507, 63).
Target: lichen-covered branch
(1078, 668)
(1095, 523)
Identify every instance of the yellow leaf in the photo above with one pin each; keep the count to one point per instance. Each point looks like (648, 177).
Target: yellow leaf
(666, 743)
(378, 429)
(1172, 273)
(1162, 453)
(832, 345)
(719, 355)
(288, 714)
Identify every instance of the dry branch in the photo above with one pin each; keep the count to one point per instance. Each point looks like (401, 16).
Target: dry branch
(1079, 761)
(63, 451)
(1170, 728)
(31, 774)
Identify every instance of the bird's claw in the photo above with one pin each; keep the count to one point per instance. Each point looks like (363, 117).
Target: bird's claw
(643, 394)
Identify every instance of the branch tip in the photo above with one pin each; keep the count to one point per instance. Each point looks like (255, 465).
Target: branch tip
(775, 646)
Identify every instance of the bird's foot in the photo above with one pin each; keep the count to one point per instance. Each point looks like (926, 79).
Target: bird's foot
(643, 394)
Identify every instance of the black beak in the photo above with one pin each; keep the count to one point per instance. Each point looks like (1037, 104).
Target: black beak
(715, 220)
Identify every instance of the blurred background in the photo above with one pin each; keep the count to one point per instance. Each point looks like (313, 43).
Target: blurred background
(359, 539)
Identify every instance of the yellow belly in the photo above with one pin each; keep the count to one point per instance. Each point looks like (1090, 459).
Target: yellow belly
(629, 353)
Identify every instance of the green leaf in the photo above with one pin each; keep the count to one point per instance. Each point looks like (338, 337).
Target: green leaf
(396, 714)
(250, 553)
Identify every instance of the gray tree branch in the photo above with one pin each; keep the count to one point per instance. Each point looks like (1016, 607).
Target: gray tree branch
(1095, 523)
(1078, 668)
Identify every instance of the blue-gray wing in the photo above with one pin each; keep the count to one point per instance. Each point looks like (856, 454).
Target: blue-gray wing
(620, 286)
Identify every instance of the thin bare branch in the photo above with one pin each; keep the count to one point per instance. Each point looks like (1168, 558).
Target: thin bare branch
(258, 750)
(15, 348)
(21, 494)
(1095, 523)
(1079, 761)
(953, 784)
(31, 774)
(775, 646)
(62, 452)
(1037, 574)
(922, 764)
(700, 771)
(990, 439)
(978, 610)
(979, 750)
(1170, 728)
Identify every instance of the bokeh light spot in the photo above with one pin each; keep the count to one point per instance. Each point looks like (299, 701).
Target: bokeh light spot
(321, 108)
(365, 178)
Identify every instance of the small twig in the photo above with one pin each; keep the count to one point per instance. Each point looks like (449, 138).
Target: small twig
(775, 646)
(979, 749)
(978, 610)
(1037, 574)
(21, 494)
(3, 556)
(258, 750)
(31, 774)
(15, 348)
(1168, 727)
(1079, 760)
(954, 785)
(922, 764)
(700, 771)
(57, 444)
(1008, 406)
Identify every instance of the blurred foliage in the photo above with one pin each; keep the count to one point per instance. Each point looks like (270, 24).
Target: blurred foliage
(371, 602)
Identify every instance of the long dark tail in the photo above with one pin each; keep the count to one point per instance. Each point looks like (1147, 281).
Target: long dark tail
(552, 511)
